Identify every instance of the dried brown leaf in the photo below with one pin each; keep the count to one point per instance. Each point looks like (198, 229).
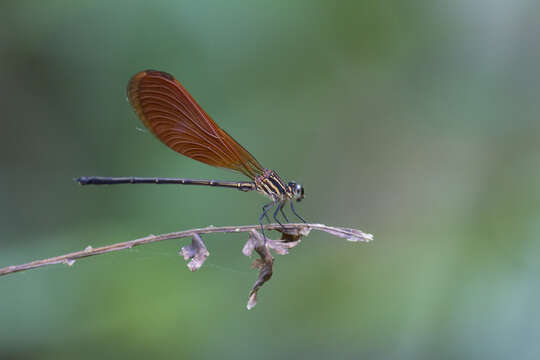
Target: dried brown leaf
(264, 264)
(196, 251)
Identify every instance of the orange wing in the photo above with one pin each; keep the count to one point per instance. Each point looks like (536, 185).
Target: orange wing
(175, 118)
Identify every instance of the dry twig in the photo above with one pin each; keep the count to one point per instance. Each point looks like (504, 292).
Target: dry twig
(197, 253)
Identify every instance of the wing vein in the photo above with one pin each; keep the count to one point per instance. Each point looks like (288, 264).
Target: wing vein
(175, 118)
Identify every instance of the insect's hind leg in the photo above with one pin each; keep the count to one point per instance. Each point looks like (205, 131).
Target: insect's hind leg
(265, 209)
(294, 212)
(280, 208)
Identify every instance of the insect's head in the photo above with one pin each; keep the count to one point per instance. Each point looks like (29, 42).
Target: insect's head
(297, 190)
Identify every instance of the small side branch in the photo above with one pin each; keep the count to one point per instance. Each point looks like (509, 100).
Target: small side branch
(197, 252)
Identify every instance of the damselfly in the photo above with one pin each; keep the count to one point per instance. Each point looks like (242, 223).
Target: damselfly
(175, 118)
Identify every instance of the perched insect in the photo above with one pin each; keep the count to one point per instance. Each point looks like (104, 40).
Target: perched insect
(175, 118)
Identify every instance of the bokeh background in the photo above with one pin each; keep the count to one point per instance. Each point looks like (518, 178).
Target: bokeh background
(417, 121)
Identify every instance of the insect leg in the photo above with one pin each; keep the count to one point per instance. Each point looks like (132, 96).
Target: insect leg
(298, 216)
(265, 209)
(278, 208)
(281, 210)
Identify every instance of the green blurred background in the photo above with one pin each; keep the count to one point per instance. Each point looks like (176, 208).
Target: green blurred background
(416, 121)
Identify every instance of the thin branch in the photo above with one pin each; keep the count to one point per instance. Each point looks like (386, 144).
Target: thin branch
(350, 234)
(197, 252)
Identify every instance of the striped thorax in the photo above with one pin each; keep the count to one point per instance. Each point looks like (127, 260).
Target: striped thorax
(271, 185)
